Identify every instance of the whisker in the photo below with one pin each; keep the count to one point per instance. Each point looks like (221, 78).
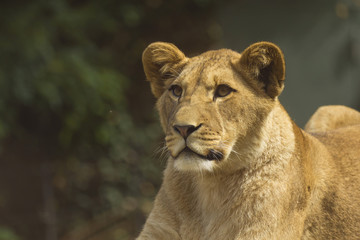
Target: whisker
(164, 157)
(162, 150)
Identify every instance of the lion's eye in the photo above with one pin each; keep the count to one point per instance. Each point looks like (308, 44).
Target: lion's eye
(223, 90)
(176, 90)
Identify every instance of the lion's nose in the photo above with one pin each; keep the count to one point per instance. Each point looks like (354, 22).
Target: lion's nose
(186, 130)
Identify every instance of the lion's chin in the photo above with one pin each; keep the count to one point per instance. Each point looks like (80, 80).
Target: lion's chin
(188, 160)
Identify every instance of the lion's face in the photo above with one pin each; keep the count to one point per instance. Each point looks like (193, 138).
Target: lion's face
(209, 106)
(204, 111)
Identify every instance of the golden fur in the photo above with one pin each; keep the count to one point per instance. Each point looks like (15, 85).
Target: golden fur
(239, 167)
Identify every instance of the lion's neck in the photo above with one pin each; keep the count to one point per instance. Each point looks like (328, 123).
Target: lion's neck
(272, 141)
(277, 139)
(261, 177)
(271, 147)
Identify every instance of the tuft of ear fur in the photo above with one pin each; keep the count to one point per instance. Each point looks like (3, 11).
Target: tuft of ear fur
(263, 65)
(162, 62)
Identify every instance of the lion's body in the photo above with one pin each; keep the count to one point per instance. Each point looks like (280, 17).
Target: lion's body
(240, 168)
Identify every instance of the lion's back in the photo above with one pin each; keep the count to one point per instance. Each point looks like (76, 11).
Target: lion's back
(340, 204)
(338, 128)
(332, 117)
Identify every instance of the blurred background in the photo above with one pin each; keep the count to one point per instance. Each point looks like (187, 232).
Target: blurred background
(80, 143)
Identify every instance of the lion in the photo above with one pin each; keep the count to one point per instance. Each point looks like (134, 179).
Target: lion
(238, 166)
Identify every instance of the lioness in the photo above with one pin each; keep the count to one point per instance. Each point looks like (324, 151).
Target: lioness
(239, 167)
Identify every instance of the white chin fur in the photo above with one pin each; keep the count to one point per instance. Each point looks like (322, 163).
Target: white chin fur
(193, 163)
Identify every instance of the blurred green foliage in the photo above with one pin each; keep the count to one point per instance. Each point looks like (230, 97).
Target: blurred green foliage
(76, 115)
(7, 234)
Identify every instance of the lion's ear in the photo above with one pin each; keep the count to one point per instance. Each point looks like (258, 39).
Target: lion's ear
(263, 65)
(162, 62)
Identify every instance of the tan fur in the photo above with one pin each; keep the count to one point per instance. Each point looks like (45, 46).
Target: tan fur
(239, 167)
(327, 118)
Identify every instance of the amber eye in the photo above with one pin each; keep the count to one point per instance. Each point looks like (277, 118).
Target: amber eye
(176, 90)
(223, 90)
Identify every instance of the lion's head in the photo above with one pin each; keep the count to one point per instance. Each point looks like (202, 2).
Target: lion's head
(212, 106)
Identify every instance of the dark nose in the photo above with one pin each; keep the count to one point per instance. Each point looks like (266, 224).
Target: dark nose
(186, 130)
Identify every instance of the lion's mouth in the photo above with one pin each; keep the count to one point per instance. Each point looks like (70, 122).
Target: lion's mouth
(213, 155)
